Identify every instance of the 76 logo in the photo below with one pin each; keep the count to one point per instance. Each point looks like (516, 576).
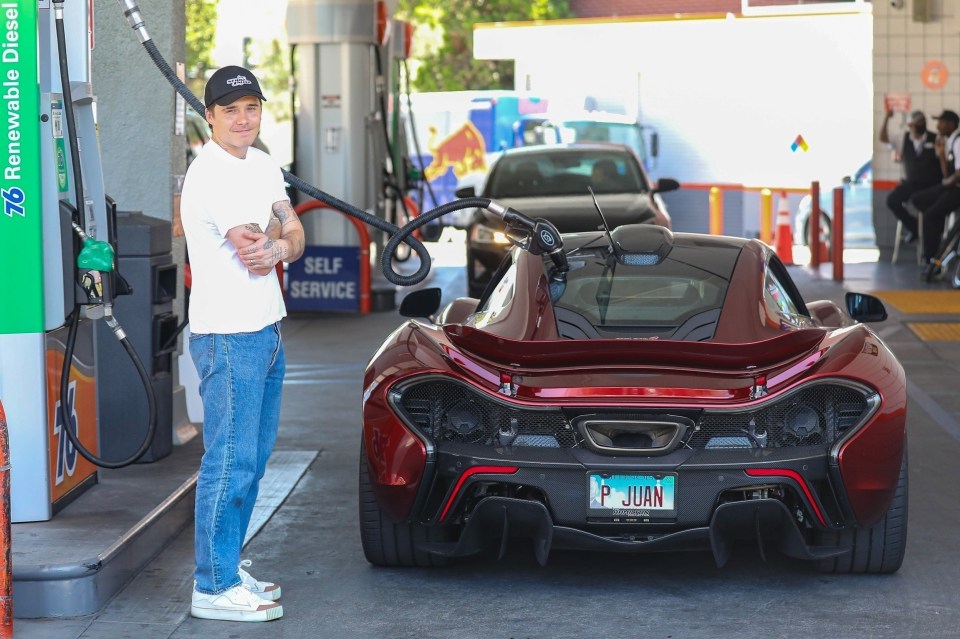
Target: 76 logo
(13, 201)
(66, 452)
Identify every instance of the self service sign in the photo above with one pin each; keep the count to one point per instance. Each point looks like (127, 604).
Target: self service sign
(326, 278)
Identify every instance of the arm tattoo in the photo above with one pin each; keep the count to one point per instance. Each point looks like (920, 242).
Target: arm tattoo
(293, 239)
(282, 210)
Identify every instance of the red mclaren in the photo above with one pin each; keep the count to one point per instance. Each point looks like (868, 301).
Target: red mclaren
(640, 390)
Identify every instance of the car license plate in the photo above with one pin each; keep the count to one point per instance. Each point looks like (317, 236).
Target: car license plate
(631, 495)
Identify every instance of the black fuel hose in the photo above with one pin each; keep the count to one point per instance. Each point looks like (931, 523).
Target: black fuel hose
(416, 140)
(132, 12)
(390, 179)
(70, 124)
(417, 222)
(65, 397)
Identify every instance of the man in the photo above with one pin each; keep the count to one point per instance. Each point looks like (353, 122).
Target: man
(921, 167)
(936, 202)
(239, 224)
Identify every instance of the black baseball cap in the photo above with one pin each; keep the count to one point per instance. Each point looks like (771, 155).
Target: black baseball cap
(228, 84)
(949, 116)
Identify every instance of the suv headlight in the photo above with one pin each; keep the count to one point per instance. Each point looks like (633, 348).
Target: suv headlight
(481, 234)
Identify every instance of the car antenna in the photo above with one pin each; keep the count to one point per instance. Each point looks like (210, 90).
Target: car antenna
(606, 227)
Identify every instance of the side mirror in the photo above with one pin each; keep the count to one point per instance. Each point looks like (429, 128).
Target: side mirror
(466, 191)
(665, 185)
(865, 308)
(421, 303)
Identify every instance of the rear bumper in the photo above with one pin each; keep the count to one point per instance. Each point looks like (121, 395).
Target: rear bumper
(496, 520)
(543, 494)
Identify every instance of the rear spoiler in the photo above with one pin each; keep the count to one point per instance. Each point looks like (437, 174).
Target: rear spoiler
(565, 354)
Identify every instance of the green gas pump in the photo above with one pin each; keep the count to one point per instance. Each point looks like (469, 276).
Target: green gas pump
(37, 226)
(58, 262)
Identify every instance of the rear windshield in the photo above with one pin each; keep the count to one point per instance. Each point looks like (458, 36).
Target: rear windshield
(670, 299)
(557, 172)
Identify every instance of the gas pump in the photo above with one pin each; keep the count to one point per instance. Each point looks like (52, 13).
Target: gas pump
(60, 273)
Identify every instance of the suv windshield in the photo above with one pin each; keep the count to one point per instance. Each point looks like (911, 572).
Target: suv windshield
(565, 172)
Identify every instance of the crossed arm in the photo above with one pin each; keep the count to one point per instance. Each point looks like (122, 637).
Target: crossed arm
(283, 240)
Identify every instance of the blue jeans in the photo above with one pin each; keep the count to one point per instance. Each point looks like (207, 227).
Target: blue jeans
(241, 376)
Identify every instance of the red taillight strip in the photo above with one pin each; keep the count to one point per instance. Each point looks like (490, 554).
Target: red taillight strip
(795, 476)
(470, 472)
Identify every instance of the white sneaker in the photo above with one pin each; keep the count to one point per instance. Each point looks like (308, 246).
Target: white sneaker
(263, 589)
(236, 604)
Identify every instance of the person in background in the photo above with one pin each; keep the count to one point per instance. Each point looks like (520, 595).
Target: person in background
(937, 202)
(239, 224)
(921, 167)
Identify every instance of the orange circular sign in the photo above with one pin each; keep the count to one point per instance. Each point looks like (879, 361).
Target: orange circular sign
(934, 74)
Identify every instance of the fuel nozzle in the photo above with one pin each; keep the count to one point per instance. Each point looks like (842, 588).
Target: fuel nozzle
(545, 239)
(94, 261)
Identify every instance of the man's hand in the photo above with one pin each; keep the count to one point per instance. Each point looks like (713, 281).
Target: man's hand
(283, 241)
(249, 241)
(262, 252)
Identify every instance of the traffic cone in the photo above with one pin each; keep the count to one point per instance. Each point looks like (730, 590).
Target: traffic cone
(783, 242)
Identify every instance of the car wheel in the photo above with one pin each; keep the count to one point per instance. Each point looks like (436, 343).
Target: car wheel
(824, 229)
(875, 550)
(386, 543)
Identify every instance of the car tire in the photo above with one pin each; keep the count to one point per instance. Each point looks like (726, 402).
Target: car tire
(386, 543)
(825, 229)
(878, 549)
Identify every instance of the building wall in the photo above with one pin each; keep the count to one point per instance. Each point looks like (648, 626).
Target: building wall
(141, 151)
(727, 111)
(622, 8)
(136, 106)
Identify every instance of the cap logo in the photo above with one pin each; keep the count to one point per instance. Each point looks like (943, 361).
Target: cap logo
(238, 81)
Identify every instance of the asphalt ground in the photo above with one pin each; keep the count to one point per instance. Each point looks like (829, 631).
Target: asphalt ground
(311, 543)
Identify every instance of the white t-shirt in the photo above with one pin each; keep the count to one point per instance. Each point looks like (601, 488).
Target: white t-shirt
(221, 192)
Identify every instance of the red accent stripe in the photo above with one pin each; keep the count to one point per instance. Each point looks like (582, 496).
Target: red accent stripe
(470, 472)
(885, 185)
(795, 476)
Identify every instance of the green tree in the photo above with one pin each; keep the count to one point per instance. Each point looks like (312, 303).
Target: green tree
(271, 62)
(201, 21)
(443, 44)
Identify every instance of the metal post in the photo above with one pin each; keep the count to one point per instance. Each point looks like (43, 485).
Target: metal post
(716, 211)
(766, 216)
(836, 237)
(6, 570)
(813, 241)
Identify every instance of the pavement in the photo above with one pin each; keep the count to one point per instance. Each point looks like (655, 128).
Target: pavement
(305, 528)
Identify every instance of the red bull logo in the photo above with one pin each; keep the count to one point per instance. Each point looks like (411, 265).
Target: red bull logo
(463, 151)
